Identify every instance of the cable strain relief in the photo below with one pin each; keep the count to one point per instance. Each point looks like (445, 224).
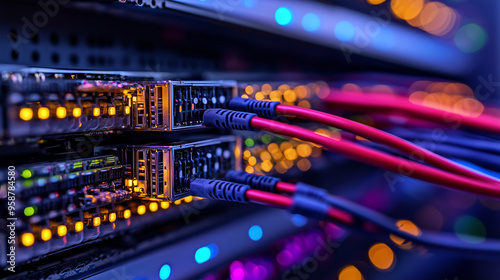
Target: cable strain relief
(264, 109)
(228, 119)
(309, 207)
(258, 182)
(219, 190)
(311, 191)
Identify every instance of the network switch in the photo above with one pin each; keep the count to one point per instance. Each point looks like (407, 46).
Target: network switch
(38, 104)
(160, 172)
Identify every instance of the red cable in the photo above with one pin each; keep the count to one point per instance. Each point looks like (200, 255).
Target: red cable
(380, 159)
(281, 201)
(285, 187)
(381, 137)
(384, 103)
(272, 199)
(340, 216)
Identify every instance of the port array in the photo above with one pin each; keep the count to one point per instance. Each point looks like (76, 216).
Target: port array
(160, 172)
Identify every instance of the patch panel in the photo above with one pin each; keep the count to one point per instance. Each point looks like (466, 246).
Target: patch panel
(175, 105)
(159, 172)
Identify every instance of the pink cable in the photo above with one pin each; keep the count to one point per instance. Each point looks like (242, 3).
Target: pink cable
(384, 103)
(281, 201)
(272, 199)
(380, 159)
(381, 137)
(285, 187)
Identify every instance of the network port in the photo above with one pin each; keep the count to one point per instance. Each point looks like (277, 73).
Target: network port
(175, 105)
(160, 172)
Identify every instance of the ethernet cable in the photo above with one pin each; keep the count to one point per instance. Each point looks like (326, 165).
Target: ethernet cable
(227, 119)
(316, 203)
(383, 103)
(268, 109)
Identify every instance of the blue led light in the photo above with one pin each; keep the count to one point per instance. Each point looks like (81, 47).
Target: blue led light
(255, 233)
(299, 220)
(283, 16)
(202, 255)
(344, 31)
(165, 272)
(310, 22)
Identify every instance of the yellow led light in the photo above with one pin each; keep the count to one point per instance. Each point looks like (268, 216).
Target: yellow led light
(27, 239)
(127, 110)
(153, 206)
(111, 111)
(77, 112)
(127, 214)
(164, 204)
(26, 114)
(43, 113)
(78, 226)
(46, 234)
(188, 199)
(62, 230)
(61, 112)
(177, 202)
(96, 221)
(96, 112)
(141, 209)
(128, 182)
(112, 217)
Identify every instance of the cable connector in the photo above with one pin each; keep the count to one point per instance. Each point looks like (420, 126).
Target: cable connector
(264, 109)
(311, 191)
(309, 207)
(258, 182)
(220, 190)
(228, 119)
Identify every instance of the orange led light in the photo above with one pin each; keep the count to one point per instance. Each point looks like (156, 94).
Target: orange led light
(27, 239)
(96, 112)
(62, 230)
(96, 221)
(153, 207)
(164, 204)
(78, 226)
(46, 234)
(127, 214)
(141, 209)
(112, 217)
(26, 114)
(111, 111)
(43, 113)
(61, 112)
(77, 112)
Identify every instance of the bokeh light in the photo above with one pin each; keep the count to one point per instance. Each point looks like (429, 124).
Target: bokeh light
(283, 16)
(381, 256)
(344, 31)
(470, 38)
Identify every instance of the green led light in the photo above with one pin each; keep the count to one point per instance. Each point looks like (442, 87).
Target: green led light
(470, 229)
(249, 142)
(77, 164)
(266, 139)
(470, 38)
(29, 211)
(26, 174)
